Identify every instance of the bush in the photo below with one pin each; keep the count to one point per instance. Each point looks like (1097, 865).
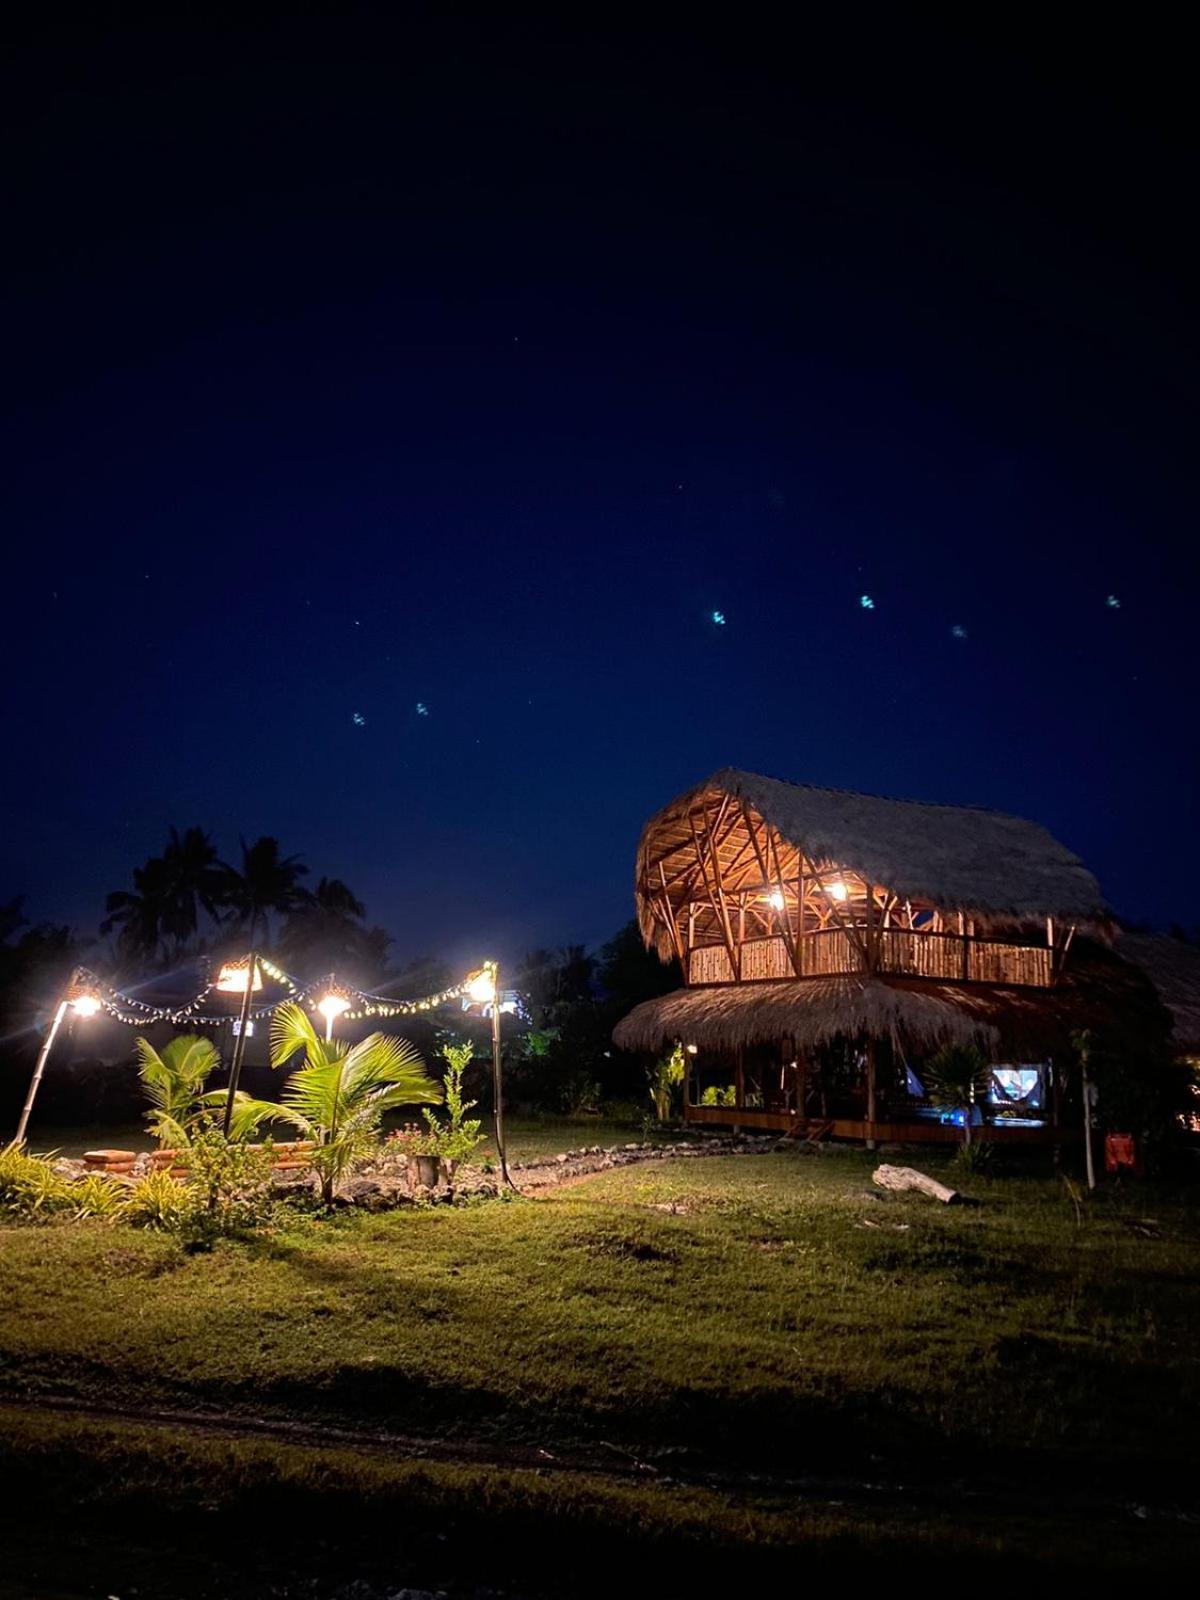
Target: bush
(160, 1203)
(229, 1184)
(975, 1157)
(95, 1196)
(713, 1096)
(30, 1189)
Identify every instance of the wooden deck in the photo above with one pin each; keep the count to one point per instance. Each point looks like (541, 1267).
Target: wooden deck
(755, 1121)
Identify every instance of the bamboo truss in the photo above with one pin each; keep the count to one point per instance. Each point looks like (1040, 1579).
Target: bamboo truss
(735, 901)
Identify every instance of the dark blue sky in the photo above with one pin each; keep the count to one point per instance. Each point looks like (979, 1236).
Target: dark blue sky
(355, 364)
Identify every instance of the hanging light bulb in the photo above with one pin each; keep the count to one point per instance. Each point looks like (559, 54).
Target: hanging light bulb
(85, 1005)
(837, 890)
(774, 898)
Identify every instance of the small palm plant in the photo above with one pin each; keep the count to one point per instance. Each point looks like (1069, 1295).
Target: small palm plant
(338, 1097)
(174, 1079)
(955, 1076)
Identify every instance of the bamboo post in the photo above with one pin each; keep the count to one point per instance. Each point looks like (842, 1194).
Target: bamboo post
(1089, 1159)
(870, 1094)
(40, 1067)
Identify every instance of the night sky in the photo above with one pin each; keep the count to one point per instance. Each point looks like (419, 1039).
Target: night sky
(356, 366)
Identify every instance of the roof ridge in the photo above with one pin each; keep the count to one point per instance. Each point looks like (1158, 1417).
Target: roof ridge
(869, 794)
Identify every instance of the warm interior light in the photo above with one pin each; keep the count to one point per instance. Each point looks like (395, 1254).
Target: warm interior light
(775, 899)
(837, 890)
(85, 1005)
(691, 1049)
(481, 986)
(232, 977)
(332, 1005)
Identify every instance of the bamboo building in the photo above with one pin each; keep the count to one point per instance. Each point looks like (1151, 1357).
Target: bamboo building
(830, 941)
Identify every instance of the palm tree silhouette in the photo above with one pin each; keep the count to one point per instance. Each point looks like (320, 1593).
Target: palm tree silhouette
(161, 914)
(266, 882)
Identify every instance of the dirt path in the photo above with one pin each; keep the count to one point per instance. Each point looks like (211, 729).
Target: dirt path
(599, 1461)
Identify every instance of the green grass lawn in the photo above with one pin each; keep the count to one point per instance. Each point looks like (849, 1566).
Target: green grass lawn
(741, 1326)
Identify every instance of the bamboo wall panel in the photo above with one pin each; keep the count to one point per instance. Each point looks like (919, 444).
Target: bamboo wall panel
(920, 955)
(942, 957)
(766, 958)
(828, 952)
(710, 964)
(1009, 963)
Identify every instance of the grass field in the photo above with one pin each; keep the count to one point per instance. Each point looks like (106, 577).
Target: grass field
(731, 1359)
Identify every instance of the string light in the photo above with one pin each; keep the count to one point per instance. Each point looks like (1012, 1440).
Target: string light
(355, 1003)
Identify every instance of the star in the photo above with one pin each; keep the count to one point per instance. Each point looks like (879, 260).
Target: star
(718, 618)
(422, 709)
(1113, 603)
(866, 602)
(359, 720)
(958, 631)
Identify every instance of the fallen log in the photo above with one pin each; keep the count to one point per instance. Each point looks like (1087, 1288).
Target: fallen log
(909, 1178)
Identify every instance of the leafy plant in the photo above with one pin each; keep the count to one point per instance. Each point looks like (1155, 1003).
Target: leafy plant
(955, 1076)
(972, 1156)
(665, 1076)
(96, 1196)
(714, 1096)
(174, 1080)
(30, 1189)
(338, 1097)
(160, 1203)
(455, 1138)
(230, 1181)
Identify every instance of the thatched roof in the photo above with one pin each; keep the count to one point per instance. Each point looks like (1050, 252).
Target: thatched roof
(1101, 992)
(1174, 969)
(812, 1011)
(994, 867)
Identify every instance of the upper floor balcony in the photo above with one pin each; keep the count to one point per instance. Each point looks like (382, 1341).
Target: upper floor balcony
(900, 952)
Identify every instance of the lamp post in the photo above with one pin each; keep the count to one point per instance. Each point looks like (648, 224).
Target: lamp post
(234, 979)
(84, 1003)
(484, 989)
(331, 1006)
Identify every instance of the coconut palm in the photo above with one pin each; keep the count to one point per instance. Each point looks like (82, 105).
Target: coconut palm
(138, 916)
(328, 933)
(338, 1097)
(162, 912)
(174, 1079)
(265, 882)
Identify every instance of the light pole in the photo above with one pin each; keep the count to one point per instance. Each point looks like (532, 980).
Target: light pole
(484, 989)
(236, 978)
(84, 1003)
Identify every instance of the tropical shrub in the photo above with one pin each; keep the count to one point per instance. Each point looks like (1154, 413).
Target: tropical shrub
(96, 1196)
(664, 1077)
(30, 1189)
(455, 1137)
(230, 1183)
(338, 1097)
(714, 1096)
(160, 1203)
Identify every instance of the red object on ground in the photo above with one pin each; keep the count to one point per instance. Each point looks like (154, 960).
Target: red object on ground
(1120, 1150)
